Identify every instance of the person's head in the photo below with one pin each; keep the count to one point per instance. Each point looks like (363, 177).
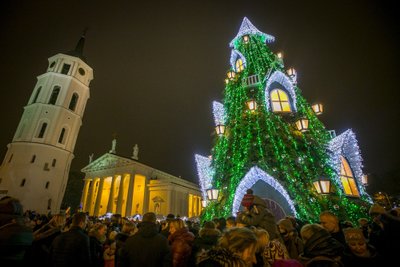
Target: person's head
(308, 230)
(329, 221)
(285, 227)
(249, 191)
(149, 217)
(99, 231)
(129, 228)
(175, 225)
(356, 242)
(230, 222)
(80, 219)
(240, 241)
(363, 222)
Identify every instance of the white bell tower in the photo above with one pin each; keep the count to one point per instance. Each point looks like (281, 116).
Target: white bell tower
(37, 163)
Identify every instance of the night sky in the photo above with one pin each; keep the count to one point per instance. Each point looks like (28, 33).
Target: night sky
(158, 67)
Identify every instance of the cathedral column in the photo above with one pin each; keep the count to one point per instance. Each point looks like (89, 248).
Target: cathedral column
(85, 194)
(89, 203)
(120, 194)
(129, 199)
(98, 198)
(111, 198)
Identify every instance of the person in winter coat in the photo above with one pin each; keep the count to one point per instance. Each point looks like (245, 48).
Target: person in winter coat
(15, 237)
(72, 248)
(357, 251)
(236, 248)
(43, 237)
(207, 239)
(260, 216)
(181, 241)
(294, 244)
(320, 248)
(146, 248)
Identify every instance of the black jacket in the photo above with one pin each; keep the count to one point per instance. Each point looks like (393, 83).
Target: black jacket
(146, 248)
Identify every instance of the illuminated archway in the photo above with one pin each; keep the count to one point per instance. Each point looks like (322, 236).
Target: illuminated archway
(255, 174)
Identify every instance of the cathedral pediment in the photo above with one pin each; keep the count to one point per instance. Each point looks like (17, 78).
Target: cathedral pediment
(107, 161)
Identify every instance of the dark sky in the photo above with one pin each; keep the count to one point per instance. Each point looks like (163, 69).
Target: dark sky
(158, 67)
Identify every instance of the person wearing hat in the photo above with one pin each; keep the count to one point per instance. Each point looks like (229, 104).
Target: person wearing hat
(294, 244)
(357, 251)
(15, 237)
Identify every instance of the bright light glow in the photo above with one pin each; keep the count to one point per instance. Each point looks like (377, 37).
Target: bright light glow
(252, 104)
(248, 28)
(318, 108)
(302, 124)
(346, 145)
(282, 79)
(250, 179)
(205, 173)
(219, 113)
(235, 55)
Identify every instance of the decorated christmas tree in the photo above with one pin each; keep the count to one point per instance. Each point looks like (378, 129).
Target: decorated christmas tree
(270, 139)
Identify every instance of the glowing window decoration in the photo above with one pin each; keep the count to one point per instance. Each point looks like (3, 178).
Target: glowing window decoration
(291, 72)
(347, 178)
(248, 28)
(280, 78)
(239, 65)
(318, 108)
(246, 39)
(235, 56)
(255, 174)
(280, 101)
(205, 173)
(323, 186)
(251, 104)
(219, 113)
(345, 145)
(302, 124)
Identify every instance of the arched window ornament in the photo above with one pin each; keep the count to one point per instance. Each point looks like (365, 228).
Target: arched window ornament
(239, 65)
(37, 94)
(347, 178)
(235, 57)
(280, 78)
(280, 101)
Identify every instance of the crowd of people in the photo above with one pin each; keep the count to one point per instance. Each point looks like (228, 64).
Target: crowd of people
(252, 238)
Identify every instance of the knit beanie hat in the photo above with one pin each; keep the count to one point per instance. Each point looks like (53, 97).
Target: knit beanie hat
(353, 234)
(376, 209)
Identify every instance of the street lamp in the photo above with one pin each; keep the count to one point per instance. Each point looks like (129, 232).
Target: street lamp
(251, 104)
(318, 109)
(212, 194)
(302, 124)
(220, 129)
(322, 185)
